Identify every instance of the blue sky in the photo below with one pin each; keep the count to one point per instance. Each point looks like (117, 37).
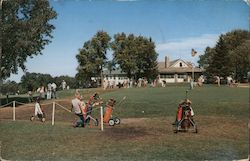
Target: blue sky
(175, 26)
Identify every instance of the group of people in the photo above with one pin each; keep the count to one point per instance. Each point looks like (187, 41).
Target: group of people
(128, 83)
(48, 92)
(230, 81)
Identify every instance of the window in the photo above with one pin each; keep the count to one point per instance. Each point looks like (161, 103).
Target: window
(167, 76)
(180, 64)
(181, 76)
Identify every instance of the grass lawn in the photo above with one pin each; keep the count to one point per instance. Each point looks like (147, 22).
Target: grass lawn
(221, 114)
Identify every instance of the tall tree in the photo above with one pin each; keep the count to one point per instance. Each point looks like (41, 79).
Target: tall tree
(146, 61)
(25, 30)
(206, 58)
(92, 57)
(220, 64)
(136, 55)
(221, 60)
(125, 53)
(241, 60)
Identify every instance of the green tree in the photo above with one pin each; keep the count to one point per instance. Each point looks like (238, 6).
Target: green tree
(9, 87)
(146, 60)
(35, 80)
(125, 53)
(220, 64)
(92, 57)
(136, 55)
(221, 60)
(241, 60)
(71, 81)
(25, 30)
(205, 59)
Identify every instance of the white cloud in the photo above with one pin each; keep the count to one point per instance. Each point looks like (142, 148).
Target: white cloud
(182, 48)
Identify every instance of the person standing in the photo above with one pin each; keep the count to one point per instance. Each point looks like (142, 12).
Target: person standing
(49, 91)
(217, 80)
(53, 85)
(64, 85)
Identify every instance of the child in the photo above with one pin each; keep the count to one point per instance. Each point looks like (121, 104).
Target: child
(78, 110)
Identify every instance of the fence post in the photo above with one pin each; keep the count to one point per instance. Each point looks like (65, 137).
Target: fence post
(101, 108)
(14, 110)
(53, 113)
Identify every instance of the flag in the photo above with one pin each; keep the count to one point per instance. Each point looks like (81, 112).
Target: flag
(193, 52)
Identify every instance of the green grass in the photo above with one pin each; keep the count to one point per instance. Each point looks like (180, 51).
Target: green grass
(155, 102)
(221, 115)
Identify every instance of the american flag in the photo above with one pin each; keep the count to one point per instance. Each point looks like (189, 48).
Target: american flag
(193, 52)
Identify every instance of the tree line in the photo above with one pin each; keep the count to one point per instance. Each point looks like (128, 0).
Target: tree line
(229, 57)
(32, 81)
(134, 55)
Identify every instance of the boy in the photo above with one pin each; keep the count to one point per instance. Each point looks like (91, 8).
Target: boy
(77, 109)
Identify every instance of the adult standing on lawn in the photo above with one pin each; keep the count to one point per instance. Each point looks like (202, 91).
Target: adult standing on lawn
(64, 85)
(77, 109)
(49, 91)
(217, 80)
(53, 85)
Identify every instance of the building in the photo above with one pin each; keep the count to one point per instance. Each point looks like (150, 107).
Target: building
(177, 71)
(115, 76)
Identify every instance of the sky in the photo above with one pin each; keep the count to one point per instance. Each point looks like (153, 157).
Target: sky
(176, 26)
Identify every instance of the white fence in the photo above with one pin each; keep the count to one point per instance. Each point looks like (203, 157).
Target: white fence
(54, 105)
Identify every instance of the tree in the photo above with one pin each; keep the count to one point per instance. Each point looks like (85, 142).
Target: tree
(220, 64)
(241, 60)
(125, 53)
(71, 81)
(205, 59)
(9, 87)
(92, 57)
(223, 60)
(136, 55)
(146, 61)
(25, 30)
(35, 80)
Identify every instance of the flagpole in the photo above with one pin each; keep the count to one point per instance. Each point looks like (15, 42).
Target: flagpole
(193, 53)
(193, 71)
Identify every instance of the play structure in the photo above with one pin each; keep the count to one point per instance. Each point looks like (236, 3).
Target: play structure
(185, 117)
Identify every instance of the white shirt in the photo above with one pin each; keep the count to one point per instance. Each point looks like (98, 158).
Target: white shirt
(76, 104)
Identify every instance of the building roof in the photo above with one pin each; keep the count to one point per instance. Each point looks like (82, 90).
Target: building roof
(162, 69)
(171, 69)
